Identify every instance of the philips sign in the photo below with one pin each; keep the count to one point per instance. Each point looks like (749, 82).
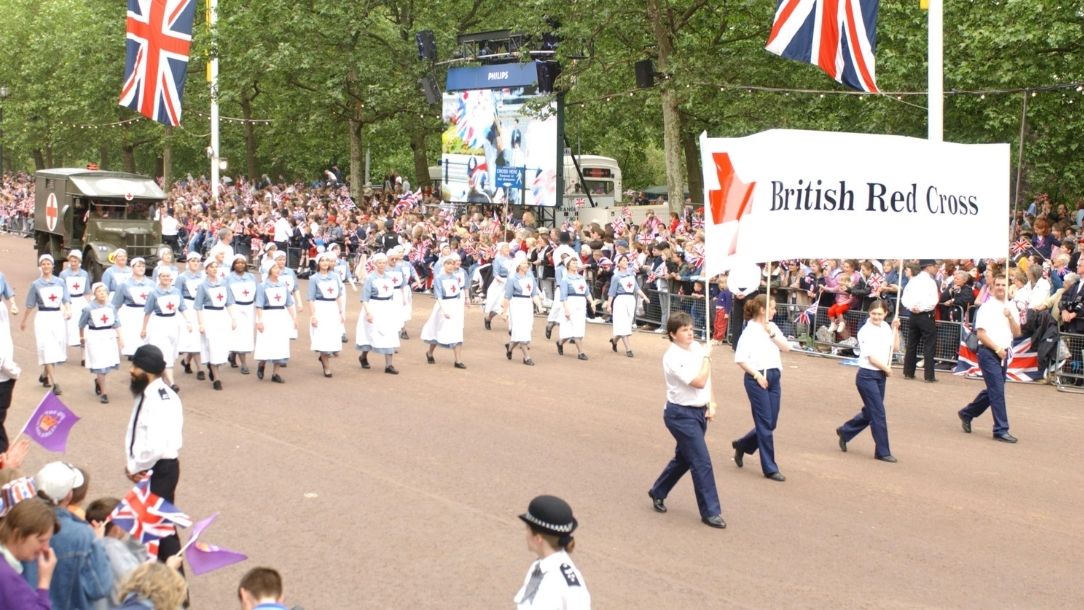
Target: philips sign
(493, 77)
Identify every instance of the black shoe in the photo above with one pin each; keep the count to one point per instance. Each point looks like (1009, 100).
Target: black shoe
(739, 455)
(187, 366)
(201, 376)
(887, 458)
(216, 384)
(259, 370)
(245, 371)
(934, 380)
(560, 348)
(528, 362)
(176, 388)
(363, 360)
(628, 354)
(714, 521)
(104, 399)
(343, 338)
(549, 331)
(581, 357)
(965, 422)
(327, 373)
(460, 365)
(613, 345)
(56, 389)
(391, 370)
(83, 362)
(842, 443)
(403, 334)
(233, 360)
(429, 359)
(508, 350)
(657, 503)
(1005, 437)
(906, 376)
(488, 325)
(776, 476)
(41, 379)
(277, 379)
(97, 388)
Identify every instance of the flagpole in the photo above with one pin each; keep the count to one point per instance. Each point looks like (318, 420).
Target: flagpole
(212, 77)
(936, 75)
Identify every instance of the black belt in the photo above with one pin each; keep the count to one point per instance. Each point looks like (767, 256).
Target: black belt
(449, 298)
(243, 302)
(521, 296)
(274, 307)
(133, 305)
(75, 296)
(48, 309)
(379, 298)
(923, 313)
(165, 315)
(582, 296)
(213, 307)
(323, 299)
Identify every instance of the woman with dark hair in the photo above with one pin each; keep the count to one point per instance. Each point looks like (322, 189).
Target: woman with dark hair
(689, 407)
(757, 353)
(876, 341)
(623, 294)
(24, 536)
(552, 580)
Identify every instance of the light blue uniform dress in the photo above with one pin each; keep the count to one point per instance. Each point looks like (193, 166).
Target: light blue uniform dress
(555, 310)
(573, 296)
(188, 342)
(404, 275)
(289, 277)
(160, 266)
(114, 277)
(129, 299)
(6, 292)
(212, 300)
(381, 336)
(623, 290)
(501, 269)
(163, 330)
(78, 283)
(274, 299)
(99, 322)
(325, 290)
(50, 329)
(520, 292)
(448, 292)
(243, 289)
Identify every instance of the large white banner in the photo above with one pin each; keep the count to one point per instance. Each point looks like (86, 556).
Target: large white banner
(784, 194)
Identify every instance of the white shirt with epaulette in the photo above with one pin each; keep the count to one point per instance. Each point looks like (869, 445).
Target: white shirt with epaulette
(561, 588)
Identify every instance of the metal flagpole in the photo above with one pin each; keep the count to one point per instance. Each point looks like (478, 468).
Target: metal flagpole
(1019, 174)
(935, 101)
(212, 78)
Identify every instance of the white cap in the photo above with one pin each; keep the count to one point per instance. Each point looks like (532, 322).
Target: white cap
(45, 257)
(76, 253)
(57, 479)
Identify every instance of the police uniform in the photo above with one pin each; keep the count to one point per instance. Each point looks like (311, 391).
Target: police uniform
(873, 340)
(50, 328)
(78, 283)
(920, 298)
(552, 582)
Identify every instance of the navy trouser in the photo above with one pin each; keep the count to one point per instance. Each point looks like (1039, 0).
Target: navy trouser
(688, 426)
(765, 406)
(871, 387)
(922, 325)
(167, 473)
(993, 375)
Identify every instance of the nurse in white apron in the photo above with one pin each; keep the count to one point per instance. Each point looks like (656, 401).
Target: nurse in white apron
(501, 267)
(189, 342)
(624, 292)
(521, 294)
(129, 299)
(572, 296)
(160, 328)
(382, 317)
(78, 282)
(445, 324)
(98, 324)
(214, 311)
(48, 297)
(275, 317)
(327, 311)
(243, 288)
(289, 277)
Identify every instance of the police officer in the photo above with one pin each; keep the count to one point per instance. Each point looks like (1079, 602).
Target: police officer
(153, 439)
(552, 582)
(996, 324)
(920, 296)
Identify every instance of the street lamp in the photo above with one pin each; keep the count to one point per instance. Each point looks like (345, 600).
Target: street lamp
(4, 92)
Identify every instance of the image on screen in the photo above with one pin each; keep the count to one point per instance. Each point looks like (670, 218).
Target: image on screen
(499, 148)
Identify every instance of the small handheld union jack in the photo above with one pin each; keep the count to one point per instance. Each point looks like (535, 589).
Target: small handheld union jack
(807, 316)
(147, 517)
(1020, 246)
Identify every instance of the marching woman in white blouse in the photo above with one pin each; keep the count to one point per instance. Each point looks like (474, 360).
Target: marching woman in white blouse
(327, 310)
(757, 354)
(520, 296)
(275, 318)
(876, 342)
(101, 342)
(624, 292)
(573, 295)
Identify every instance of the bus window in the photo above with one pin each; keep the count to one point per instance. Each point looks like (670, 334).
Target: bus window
(600, 187)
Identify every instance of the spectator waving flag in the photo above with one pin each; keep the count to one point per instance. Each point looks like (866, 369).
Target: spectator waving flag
(50, 424)
(1020, 246)
(838, 36)
(156, 60)
(808, 315)
(147, 517)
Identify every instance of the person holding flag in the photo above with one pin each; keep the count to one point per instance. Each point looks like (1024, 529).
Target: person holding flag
(154, 437)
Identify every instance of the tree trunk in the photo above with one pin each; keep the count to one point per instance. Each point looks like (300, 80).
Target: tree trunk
(49, 157)
(692, 167)
(127, 153)
(250, 137)
(167, 159)
(356, 156)
(39, 159)
(671, 119)
(421, 160)
(103, 156)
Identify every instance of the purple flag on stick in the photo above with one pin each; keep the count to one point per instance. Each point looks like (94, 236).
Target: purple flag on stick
(50, 424)
(204, 558)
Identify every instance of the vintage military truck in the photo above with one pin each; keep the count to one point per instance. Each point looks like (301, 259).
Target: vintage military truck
(96, 212)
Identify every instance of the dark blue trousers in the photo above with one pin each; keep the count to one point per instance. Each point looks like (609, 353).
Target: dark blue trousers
(688, 425)
(765, 405)
(871, 387)
(993, 375)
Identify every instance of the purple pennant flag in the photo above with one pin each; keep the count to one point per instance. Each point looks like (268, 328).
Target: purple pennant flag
(204, 558)
(50, 424)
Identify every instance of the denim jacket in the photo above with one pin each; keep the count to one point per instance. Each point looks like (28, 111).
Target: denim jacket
(82, 572)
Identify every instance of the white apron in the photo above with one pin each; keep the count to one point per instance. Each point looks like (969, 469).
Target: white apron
(521, 311)
(624, 307)
(188, 342)
(242, 338)
(291, 286)
(100, 351)
(274, 342)
(131, 320)
(327, 337)
(494, 294)
(163, 331)
(50, 327)
(76, 286)
(214, 344)
(383, 332)
(572, 326)
(446, 332)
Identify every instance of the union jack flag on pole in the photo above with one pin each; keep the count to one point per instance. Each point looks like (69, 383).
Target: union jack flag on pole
(156, 59)
(147, 517)
(838, 36)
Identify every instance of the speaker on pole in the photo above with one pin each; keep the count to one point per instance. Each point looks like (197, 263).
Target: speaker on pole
(645, 74)
(427, 45)
(430, 89)
(547, 75)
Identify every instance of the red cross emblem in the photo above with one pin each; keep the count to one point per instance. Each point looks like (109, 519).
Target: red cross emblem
(52, 212)
(330, 291)
(245, 292)
(143, 295)
(384, 287)
(104, 318)
(75, 286)
(528, 287)
(453, 289)
(220, 297)
(276, 297)
(170, 306)
(52, 297)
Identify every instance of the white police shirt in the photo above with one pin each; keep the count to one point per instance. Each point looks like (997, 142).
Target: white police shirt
(154, 432)
(561, 586)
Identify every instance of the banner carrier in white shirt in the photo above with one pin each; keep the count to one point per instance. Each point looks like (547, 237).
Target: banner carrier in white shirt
(783, 194)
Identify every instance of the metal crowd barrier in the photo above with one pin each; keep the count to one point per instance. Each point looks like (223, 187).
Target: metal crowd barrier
(18, 225)
(661, 304)
(1069, 377)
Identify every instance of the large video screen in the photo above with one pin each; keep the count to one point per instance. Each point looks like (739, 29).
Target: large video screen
(499, 146)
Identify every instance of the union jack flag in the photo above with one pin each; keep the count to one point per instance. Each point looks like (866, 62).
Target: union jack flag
(1020, 246)
(618, 224)
(147, 517)
(1023, 360)
(156, 60)
(838, 36)
(808, 315)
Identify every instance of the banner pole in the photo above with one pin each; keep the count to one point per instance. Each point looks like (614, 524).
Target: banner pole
(899, 295)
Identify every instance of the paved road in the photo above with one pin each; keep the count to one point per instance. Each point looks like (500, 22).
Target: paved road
(373, 491)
